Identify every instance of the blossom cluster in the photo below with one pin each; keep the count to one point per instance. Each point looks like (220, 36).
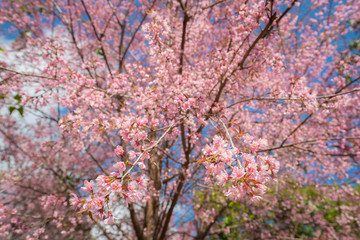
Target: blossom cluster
(118, 183)
(240, 173)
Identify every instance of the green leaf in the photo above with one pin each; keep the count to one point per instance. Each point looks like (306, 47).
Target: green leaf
(21, 111)
(99, 52)
(17, 97)
(347, 78)
(355, 45)
(11, 109)
(2, 50)
(252, 216)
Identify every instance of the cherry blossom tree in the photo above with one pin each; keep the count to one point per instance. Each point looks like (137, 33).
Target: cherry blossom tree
(120, 118)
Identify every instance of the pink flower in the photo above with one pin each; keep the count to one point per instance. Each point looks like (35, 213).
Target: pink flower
(88, 186)
(142, 121)
(222, 178)
(261, 188)
(141, 165)
(251, 168)
(248, 158)
(254, 147)
(154, 122)
(226, 230)
(119, 151)
(103, 181)
(99, 203)
(142, 182)
(132, 186)
(237, 173)
(207, 150)
(255, 198)
(115, 186)
(99, 214)
(110, 219)
(75, 201)
(120, 166)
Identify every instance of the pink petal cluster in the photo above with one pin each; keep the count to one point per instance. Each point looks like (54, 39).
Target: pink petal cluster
(250, 177)
(119, 151)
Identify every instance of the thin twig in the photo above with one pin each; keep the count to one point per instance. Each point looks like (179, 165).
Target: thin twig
(230, 139)
(306, 142)
(26, 74)
(293, 99)
(96, 161)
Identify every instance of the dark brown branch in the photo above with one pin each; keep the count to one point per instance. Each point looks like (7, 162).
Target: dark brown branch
(263, 34)
(96, 161)
(131, 40)
(348, 84)
(26, 74)
(135, 222)
(213, 5)
(292, 99)
(99, 38)
(306, 142)
(183, 40)
(70, 28)
(103, 229)
(173, 202)
(295, 129)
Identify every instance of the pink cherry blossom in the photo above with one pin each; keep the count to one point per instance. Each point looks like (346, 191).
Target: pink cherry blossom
(119, 151)
(88, 186)
(120, 166)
